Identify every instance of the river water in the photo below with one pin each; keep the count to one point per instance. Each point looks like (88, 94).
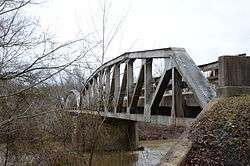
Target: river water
(151, 155)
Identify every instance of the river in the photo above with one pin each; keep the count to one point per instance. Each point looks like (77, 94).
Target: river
(153, 151)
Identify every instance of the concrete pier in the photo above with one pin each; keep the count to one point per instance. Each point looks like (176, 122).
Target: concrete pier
(124, 133)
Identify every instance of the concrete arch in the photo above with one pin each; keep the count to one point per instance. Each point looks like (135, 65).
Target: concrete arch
(180, 92)
(76, 99)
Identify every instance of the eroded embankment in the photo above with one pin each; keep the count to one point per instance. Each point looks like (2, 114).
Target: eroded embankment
(219, 136)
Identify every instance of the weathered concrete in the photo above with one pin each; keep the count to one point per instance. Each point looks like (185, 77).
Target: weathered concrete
(234, 75)
(178, 96)
(147, 88)
(177, 154)
(186, 75)
(130, 82)
(156, 119)
(233, 91)
(124, 134)
(114, 134)
(234, 71)
(133, 136)
(73, 99)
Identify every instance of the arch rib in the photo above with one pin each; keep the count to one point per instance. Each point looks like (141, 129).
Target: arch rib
(177, 61)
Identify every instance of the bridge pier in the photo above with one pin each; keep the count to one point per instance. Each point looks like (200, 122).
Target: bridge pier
(124, 132)
(133, 135)
(115, 134)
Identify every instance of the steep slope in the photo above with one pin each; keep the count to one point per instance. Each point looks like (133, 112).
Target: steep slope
(221, 134)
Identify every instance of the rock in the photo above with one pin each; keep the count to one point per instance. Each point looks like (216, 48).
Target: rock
(141, 148)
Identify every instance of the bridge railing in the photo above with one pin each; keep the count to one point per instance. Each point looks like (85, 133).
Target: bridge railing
(211, 72)
(107, 92)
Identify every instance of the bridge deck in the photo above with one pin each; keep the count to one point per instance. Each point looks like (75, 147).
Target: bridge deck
(155, 119)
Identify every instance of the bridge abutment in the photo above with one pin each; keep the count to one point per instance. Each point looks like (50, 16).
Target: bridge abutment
(234, 76)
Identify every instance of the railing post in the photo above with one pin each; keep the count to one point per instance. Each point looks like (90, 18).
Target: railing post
(94, 86)
(100, 90)
(122, 91)
(89, 95)
(130, 82)
(177, 109)
(95, 93)
(147, 87)
(85, 98)
(107, 89)
(117, 85)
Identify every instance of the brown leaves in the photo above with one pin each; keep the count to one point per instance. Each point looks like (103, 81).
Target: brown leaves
(221, 135)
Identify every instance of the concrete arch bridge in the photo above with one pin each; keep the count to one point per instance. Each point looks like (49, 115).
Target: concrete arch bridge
(128, 88)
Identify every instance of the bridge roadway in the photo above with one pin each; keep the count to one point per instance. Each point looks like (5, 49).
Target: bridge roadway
(177, 96)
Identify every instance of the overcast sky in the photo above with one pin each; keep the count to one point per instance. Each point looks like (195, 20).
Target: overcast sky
(205, 28)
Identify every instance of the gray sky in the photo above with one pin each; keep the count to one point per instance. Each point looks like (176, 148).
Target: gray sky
(205, 28)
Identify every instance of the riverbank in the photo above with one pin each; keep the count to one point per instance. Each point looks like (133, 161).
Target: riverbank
(153, 151)
(148, 131)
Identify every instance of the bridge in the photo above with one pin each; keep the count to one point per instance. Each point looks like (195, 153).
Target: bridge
(175, 96)
(178, 94)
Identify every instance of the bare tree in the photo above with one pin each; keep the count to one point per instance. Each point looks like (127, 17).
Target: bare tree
(30, 62)
(105, 26)
(29, 58)
(28, 55)
(108, 32)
